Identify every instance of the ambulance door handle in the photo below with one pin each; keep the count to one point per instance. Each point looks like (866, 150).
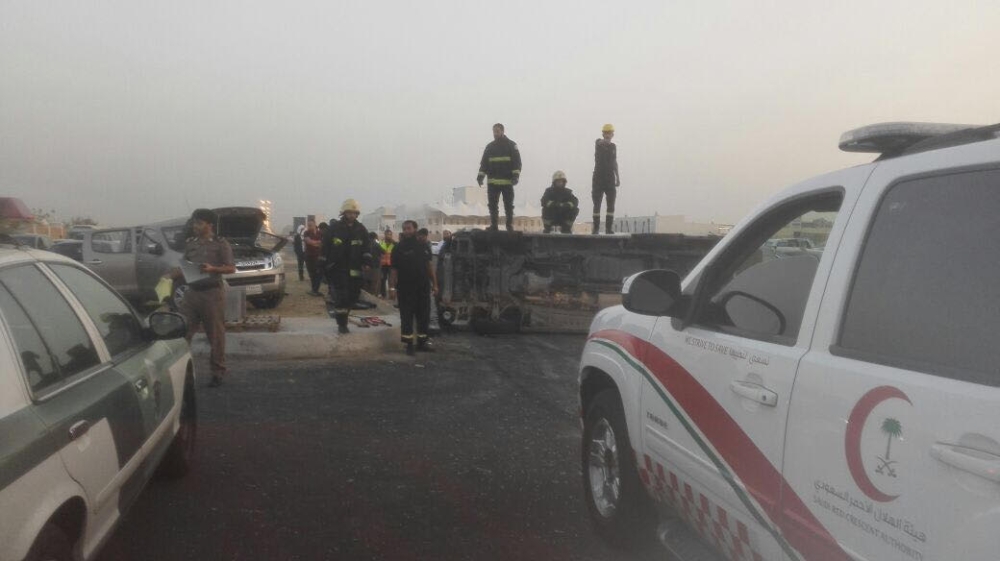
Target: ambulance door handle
(755, 392)
(95, 262)
(983, 464)
(79, 429)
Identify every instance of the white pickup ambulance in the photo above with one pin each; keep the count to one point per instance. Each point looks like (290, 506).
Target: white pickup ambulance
(841, 403)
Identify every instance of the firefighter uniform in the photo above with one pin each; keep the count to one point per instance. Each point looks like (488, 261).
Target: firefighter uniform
(560, 206)
(411, 260)
(346, 248)
(204, 300)
(606, 180)
(501, 162)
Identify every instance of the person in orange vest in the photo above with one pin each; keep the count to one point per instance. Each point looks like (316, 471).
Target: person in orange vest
(387, 244)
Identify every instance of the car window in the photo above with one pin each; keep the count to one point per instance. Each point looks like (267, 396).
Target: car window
(69, 249)
(926, 294)
(114, 319)
(53, 318)
(117, 241)
(39, 368)
(759, 287)
(176, 237)
(149, 241)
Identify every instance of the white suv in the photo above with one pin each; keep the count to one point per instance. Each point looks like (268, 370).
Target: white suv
(93, 400)
(833, 404)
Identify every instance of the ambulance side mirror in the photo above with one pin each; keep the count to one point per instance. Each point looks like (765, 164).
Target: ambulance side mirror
(652, 293)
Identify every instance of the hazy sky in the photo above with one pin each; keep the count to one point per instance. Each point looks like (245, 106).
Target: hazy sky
(131, 110)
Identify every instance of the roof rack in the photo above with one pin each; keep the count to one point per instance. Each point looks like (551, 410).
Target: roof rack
(893, 139)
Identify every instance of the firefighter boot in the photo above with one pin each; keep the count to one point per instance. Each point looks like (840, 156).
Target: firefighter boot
(409, 349)
(597, 225)
(342, 323)
(510, 223)
(609, 223)
(494, 221)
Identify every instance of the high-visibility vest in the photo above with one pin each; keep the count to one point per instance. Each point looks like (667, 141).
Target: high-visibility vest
(387, 248)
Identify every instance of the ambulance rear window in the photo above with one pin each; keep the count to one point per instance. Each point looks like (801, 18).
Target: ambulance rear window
(926, 295)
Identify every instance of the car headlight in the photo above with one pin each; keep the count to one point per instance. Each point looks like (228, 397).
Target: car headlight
(276, 260)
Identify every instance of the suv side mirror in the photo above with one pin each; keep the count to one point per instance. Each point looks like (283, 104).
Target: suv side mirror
(167, 325)
(652, 293)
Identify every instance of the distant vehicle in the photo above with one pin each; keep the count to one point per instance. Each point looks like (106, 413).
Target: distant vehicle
(94, 401)
(132, 260)
(34, 241)
(77, 232)
(69, 248)
(834, 405)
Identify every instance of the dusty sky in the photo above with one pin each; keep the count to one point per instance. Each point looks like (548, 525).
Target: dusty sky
(134, 110)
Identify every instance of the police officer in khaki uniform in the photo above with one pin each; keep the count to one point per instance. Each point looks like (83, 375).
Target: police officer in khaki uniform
(204, 301)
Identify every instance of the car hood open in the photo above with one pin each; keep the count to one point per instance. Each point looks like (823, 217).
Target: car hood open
(242, 225)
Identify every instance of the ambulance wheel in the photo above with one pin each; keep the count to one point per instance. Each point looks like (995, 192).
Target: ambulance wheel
(180, 456)
(618, 505)
(52, 544)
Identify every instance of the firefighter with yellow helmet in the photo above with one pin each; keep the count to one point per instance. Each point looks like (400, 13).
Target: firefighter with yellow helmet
(346, 248)
(606, 180)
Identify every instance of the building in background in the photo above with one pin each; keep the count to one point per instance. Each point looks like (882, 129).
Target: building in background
(466, 209)
(668, 224)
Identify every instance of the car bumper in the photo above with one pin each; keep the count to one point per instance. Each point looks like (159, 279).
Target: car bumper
(263, 283)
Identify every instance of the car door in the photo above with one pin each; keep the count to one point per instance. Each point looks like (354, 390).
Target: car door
(88, 407)
(111, 254)
(720, 377)
(893, 438)
(145, 364)
(150, 262)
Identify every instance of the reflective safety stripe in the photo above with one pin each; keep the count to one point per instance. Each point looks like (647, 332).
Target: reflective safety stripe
(516, 172)
(406, 337)
(501, 181)
(550, 203)
(355, 242)
(355, 273)
(337, 241)
(499, 159)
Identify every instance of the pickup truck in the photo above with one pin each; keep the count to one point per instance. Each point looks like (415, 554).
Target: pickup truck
(841, 403)
(133, 259)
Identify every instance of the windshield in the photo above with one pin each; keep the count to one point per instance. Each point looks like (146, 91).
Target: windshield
(175, 237)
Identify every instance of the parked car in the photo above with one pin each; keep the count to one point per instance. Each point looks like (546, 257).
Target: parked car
(34, 241)
(93, 401)
(840, 405)
(133, 259)
(77, 232)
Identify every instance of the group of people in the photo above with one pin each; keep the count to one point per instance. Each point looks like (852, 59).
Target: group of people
(350, 258)
(500, 167)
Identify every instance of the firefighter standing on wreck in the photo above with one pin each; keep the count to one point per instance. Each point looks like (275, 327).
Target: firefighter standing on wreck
(346, 248)
(501, 162)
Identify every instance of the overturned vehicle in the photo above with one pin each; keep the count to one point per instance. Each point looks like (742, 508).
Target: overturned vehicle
(500, 282)
(132, 260)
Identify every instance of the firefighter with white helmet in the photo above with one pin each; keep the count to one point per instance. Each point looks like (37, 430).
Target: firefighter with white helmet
(346, 248)
(559, 205)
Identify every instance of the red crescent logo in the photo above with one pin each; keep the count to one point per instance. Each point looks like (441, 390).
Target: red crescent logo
(852, 440)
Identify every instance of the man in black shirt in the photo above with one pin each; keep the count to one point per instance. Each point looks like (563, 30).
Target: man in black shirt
(412, 281)
(606, 179)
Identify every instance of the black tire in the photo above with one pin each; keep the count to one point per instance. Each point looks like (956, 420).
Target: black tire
(268, 302)
(180, 456)
(631, 518)
(52, 544)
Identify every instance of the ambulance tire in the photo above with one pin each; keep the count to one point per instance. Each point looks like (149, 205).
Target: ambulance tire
(632, 520)
(180, 456)
(52, 544)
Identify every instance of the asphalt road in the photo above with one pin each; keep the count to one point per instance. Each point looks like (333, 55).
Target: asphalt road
(471, 453)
